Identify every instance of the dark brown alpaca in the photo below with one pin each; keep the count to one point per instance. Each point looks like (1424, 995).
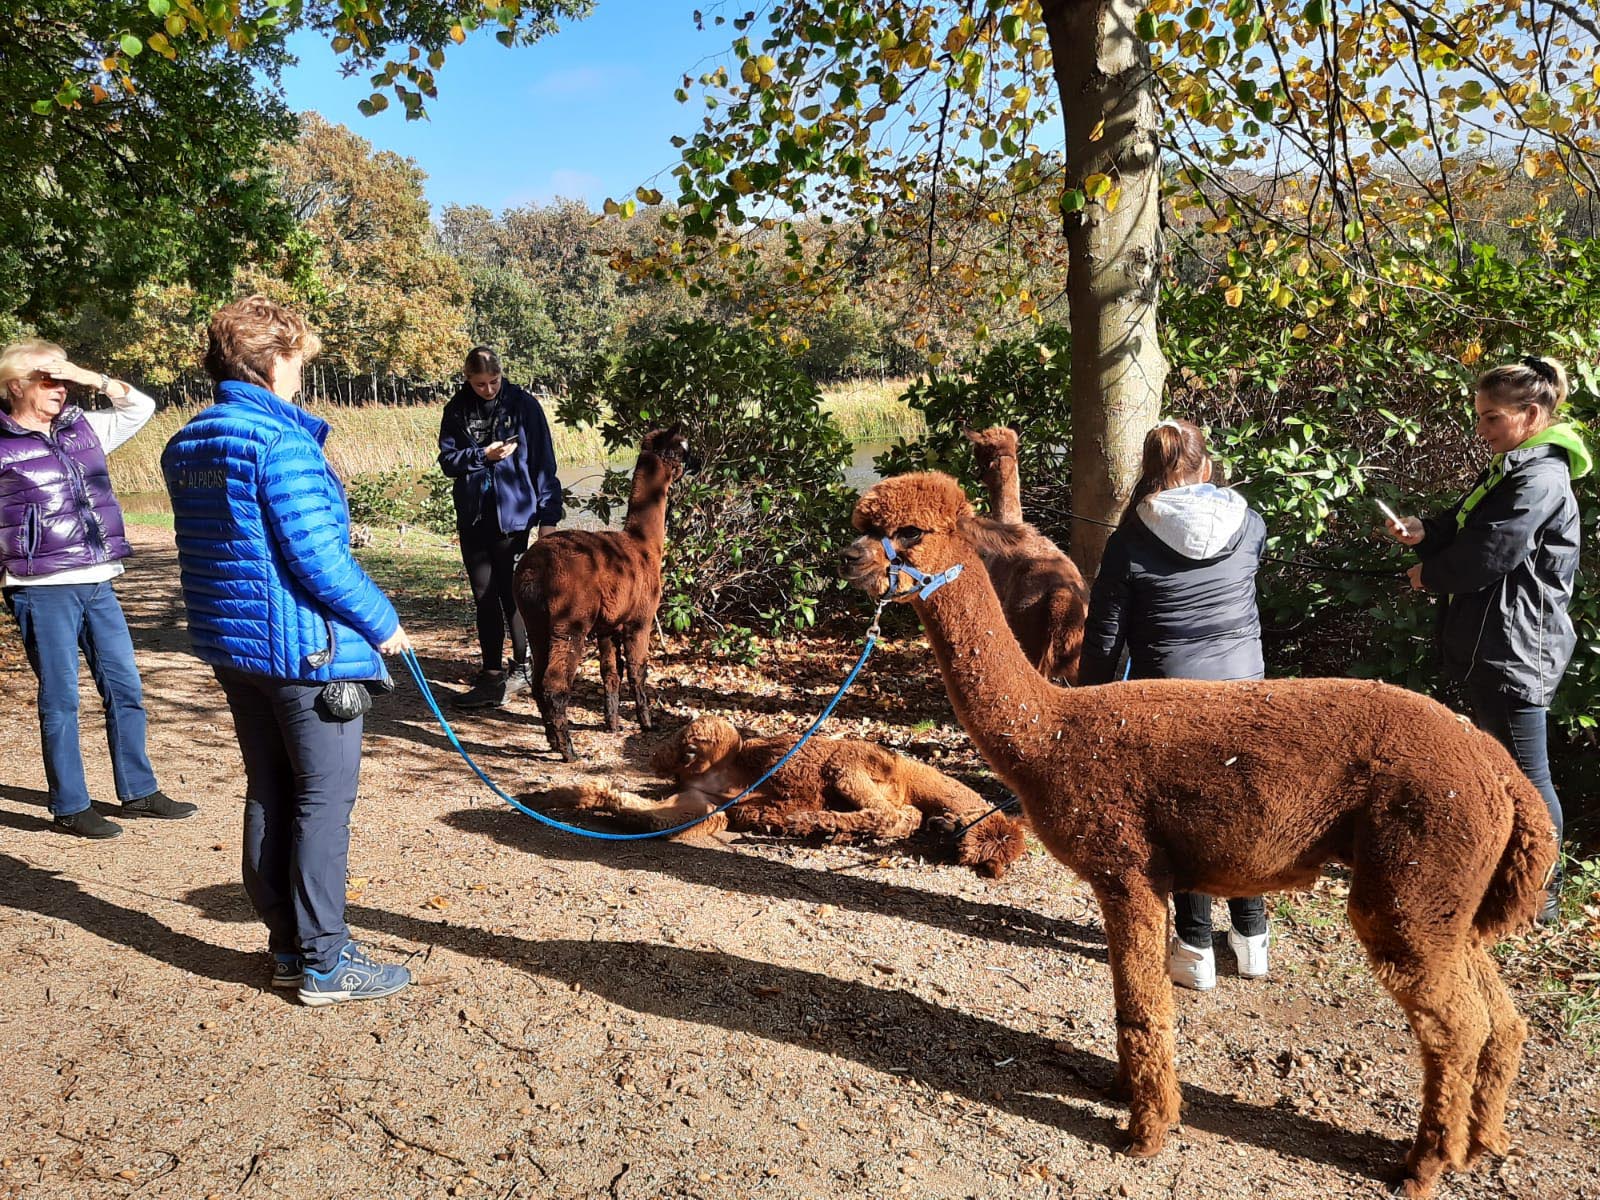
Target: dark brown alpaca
(1041, 590)
(1234, 789)
(575, 581)
(833, 787)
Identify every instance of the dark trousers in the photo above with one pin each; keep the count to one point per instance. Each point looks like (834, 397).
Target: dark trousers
(301, 768)
(1520, 728)
(1193, 917)
(490, 557)
(57, 622)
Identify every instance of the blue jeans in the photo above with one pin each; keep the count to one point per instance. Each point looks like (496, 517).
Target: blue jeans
(1520, 728)
(302, 768)
(57, 621)
(1192, 917)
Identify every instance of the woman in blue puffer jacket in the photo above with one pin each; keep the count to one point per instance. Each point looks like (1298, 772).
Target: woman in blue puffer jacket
(289, 622)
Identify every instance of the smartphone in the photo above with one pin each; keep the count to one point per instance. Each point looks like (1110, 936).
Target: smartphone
(1386, 511)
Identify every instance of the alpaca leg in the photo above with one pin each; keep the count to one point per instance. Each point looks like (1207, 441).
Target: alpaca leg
(1498, 1062)
(638, 664)
(1136, 933)
(611, 680)
(1429, 972)
(555, 689)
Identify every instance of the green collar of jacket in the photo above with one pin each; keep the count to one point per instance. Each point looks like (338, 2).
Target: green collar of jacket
(1563, 435)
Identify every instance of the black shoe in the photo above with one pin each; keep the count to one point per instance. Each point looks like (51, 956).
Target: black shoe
(488, 692)
(88, 824)
(159, 804)
(516, 679)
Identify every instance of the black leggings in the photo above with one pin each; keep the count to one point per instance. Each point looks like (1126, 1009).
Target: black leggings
(491, 560)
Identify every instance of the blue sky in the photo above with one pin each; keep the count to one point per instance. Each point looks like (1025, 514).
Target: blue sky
(587, 113)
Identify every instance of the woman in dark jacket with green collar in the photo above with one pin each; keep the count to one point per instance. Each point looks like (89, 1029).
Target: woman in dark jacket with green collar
(1504, 559)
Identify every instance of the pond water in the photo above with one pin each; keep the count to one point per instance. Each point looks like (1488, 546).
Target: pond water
(582, 478)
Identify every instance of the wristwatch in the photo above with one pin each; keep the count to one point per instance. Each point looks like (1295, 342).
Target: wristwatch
(105, 385)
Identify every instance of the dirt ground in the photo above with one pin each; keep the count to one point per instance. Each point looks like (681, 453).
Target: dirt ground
(707, 1020)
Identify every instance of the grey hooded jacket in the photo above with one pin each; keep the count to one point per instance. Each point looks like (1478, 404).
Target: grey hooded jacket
(1506, 577)
(1177, 588)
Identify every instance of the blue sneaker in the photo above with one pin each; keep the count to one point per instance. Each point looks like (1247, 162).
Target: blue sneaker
(286, 971)
(353, 977)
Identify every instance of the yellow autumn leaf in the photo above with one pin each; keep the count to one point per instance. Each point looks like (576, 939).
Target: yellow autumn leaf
(457, 34)
(1531, 167)
(1099, 131)
(1234, 296)
(436, 902)
(1472, 353)
(1096, 185)
(1112, 199)
(1218, 225)
(1300, 331)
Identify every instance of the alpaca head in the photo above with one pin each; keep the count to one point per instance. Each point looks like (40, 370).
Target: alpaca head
(989, 446)
(925, 517)
(696, 748)
(671, 447)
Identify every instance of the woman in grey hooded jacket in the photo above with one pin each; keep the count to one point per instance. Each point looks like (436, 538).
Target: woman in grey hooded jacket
(1504, 559)
(1177, 590)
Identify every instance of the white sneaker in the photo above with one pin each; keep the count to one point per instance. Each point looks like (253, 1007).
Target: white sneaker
(1191, 967)
(1251, 953)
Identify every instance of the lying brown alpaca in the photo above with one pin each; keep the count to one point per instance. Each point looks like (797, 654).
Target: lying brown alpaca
(575, 581)
(1235, 789)
(1041, 590)
(833, 787)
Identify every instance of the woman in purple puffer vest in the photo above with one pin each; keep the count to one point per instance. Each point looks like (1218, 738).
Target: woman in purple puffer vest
(61, 545)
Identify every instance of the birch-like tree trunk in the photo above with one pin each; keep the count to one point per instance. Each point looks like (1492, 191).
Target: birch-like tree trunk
(1102, 69)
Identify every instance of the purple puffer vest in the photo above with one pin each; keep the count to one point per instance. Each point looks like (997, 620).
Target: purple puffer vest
(57, 511)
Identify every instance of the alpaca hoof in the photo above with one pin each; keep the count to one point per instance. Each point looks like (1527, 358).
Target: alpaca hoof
(1144, 1143)
(1411, 1184)
(1487, 1146)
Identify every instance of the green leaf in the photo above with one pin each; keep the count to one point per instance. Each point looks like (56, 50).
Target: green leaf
(130, 45)
(43, 107)
(160, 8)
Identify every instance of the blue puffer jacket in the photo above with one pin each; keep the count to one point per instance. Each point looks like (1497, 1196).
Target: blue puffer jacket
(264, 545)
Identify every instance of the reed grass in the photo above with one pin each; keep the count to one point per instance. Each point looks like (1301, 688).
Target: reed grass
(375, 438)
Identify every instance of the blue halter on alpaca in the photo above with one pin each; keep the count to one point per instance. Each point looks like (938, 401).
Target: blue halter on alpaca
(928, 584)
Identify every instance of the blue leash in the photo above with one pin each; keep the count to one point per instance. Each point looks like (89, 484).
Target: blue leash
(415, 668)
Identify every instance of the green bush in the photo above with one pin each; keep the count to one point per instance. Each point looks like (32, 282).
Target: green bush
(755, 532)
(1313, 419)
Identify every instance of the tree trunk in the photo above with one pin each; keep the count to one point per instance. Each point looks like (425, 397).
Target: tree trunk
(1102, 71)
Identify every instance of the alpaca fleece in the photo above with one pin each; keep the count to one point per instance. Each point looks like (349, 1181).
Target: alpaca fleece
(1235, 789)
(572, 581)
(833, 787)
(1041, 590)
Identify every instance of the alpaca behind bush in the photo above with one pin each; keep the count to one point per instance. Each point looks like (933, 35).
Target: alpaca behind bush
(1041, 590)
(575, 581)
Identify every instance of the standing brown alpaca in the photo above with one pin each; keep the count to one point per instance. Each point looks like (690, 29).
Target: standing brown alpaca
(1234, 789)
(1041, 590)
(833, 787)
(573, 581)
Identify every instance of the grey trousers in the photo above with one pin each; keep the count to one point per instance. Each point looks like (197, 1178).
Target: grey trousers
(302, 768)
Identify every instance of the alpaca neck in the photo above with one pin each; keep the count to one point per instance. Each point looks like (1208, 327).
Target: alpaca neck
(1005, 490)
(647, 501)
(1011, 712)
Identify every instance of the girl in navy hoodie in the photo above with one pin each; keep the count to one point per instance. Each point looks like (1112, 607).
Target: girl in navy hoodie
(1177, 591)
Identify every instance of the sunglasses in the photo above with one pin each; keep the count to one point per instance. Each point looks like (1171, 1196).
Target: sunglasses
(45, 377)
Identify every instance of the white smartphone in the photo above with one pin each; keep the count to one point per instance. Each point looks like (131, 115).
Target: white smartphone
(1386, 511)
